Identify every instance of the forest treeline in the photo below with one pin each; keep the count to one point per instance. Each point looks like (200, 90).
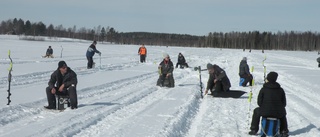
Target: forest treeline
(288, 40)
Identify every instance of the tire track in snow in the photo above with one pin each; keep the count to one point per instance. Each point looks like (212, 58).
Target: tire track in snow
(175, 123)
(306, 103)
(39, 77)
(113, 121)
(20, 112)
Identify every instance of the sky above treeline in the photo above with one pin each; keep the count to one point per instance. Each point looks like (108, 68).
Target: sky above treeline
(170, 16)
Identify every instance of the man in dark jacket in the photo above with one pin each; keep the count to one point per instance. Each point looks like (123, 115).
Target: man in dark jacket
(63, 81)
(166, 72)
(218, 80)
(49, 53)
(272, 103)
(181, 61)
(244, 72)
(318, 60)
(90, 53)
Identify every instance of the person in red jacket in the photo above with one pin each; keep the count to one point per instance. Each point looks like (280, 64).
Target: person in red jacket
(143, 53)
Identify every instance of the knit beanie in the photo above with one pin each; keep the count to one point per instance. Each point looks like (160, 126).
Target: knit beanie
(272, 77)
(62, 64)
(209, 66)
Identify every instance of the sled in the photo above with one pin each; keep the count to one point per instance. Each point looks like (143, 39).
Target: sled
(228, 94)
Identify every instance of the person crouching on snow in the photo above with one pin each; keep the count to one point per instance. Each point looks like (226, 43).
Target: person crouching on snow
(63, 81)
(166, 72)
(181, 61)
(318, 60)
(218, 80)
(49, 53)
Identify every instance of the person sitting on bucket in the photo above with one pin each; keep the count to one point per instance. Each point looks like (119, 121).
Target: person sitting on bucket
(244, 72)
(49, 53)
(166, 72)
(218, 80)
(272, 103)
(63, 81)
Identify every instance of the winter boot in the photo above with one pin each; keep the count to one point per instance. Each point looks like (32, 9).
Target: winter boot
(253, 132)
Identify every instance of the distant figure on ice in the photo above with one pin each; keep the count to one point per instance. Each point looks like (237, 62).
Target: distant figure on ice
(272, 103)
(90, 53)
(143, 53)
(244, 73)
(49, 53)
(318, 60)
(63, 81)
(181, 61)
(218, 80)
(166, 72)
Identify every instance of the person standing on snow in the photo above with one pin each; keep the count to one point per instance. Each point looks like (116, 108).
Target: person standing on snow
(272, 103)
(166, 72)
(90, 53)
(63, 81)
(218, 80)
(143, 53)
(244, 72)
(181, 61)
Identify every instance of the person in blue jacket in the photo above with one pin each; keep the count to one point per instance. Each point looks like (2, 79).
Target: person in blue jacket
(90, 53)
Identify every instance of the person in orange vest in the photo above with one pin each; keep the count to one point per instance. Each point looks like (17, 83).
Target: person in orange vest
(143, 53)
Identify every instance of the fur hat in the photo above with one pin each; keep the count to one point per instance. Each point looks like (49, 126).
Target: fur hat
(62, 64)
(209, 66)
(272, 76)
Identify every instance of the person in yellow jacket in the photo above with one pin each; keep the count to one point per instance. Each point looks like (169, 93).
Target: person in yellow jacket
(143, 53)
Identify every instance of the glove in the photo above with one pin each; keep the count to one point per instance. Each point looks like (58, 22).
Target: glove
(99, 53)
(206, 92)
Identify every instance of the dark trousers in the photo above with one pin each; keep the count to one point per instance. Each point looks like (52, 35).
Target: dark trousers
(181, 65)
(256, 121)
(71, 91)
(219, 87)
(162, 78)
(142, 58)
(246, 80)
(90, 62)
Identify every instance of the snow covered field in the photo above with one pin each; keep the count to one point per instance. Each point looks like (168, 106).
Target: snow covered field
(118, 98)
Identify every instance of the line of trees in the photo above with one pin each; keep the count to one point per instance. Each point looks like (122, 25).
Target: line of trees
(21, 27)
(291, 40)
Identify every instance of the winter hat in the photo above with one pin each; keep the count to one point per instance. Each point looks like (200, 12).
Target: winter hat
(166, 55)
(95, 42)
(62, 64)
(272, 77)
(209, 66)
(244, 58)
